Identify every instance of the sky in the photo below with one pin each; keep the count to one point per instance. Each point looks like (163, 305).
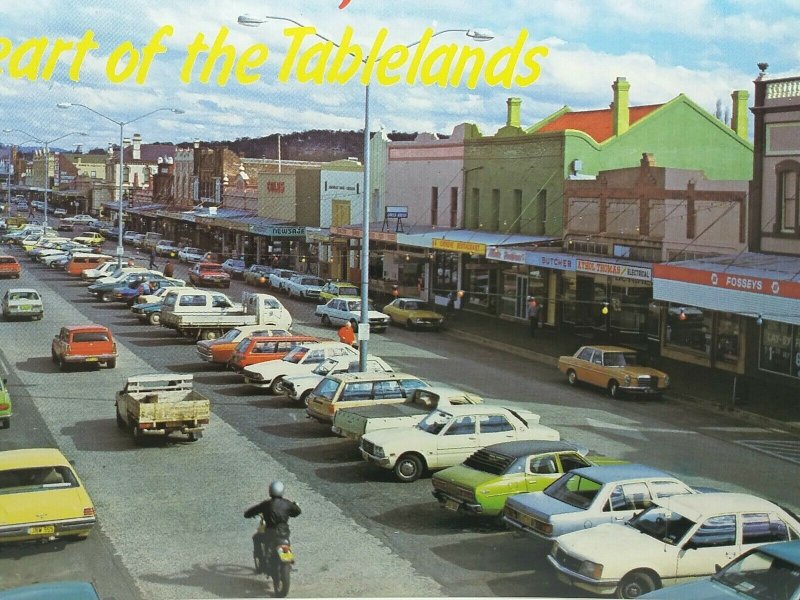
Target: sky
(702, 48)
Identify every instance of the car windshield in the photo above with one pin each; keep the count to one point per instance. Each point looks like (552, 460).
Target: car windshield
(325, 366)
(23, 296)
(435, 422)
(230, 336)
(662, 524)
(296, 354)
(271, 303)
(34, 479)
(619, 359)
(326, 388)
(489, 462)
(759, 575)
(312, 281)
(356, 306)
(413, 306)
(575, 490)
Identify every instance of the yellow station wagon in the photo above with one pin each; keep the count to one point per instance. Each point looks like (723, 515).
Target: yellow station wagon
(41, 497)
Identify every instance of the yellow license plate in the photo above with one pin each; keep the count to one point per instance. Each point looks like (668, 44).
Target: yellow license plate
(25, 307)
(286, 556)
(91, 359)
(41, 530)
(451, 505)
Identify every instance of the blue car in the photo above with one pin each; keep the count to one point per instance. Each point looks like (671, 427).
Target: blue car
(148, 312)
(234, 267)
(63, 590)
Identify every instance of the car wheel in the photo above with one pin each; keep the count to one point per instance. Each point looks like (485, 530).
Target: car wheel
(61, 364)
(106, 297)
(572, 377)
(408, 468)
(53, 356)
(6, 423)
(634, 585)
(326, 320)
(111, 363)
(409, 325)
(154, 318)
(276, 387)
(304, 397)
(138, 436)
(613, 389)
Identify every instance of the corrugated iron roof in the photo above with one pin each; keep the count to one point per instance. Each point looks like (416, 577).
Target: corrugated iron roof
(596, 123)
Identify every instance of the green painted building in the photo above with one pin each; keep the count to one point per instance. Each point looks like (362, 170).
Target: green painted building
(514, 180)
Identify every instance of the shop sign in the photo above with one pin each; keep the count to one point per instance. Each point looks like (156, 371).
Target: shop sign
(551, 261)
(614, 270)
(454, 246)
(396, 212)
(286, 230)
(355, 233)
(276, 187)
(506, 255)
(730, 281)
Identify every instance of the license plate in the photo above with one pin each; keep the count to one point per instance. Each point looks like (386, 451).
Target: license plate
(91, 359)
(286, 556)
(25, 307)
(452, 505)
(41, 530)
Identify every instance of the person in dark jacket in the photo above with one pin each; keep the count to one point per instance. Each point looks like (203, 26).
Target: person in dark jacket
(169, 269)
(276, 513)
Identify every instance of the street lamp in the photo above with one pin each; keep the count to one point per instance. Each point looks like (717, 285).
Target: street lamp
(363, 329)
(177, 111)
(46, 144)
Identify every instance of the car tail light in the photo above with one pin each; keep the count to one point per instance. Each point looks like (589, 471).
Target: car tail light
(4, 406)
(88, 512)
(114, 347)
(331, 409)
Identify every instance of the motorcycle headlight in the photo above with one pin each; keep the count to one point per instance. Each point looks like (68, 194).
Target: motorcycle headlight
(591, 569)
(627, 380)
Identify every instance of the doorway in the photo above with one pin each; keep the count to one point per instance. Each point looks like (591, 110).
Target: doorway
(521, 298)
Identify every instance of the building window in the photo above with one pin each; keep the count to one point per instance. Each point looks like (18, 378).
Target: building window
(726, 348)
(516, 212)
(453, 207)
(689, 327)
(434, 206)
(445, 273)
(474, 213)
(787, 199)
(494, 221)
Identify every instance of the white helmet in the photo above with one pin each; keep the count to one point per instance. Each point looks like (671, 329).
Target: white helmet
(276, 489)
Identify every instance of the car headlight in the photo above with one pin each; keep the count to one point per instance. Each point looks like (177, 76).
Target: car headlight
(666, 380)
(378, 452)
(254, 376)
(627, 379)
(591, 569)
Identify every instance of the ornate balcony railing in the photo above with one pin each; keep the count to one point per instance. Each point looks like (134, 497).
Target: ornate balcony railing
(785, 88)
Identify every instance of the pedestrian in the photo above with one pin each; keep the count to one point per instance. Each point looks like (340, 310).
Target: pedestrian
(152, 259)
(169, 268)
(451, 304)
(533, 314)
(347, 335)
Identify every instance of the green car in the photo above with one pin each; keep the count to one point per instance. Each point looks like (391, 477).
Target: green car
(481, 484)
(5, 405)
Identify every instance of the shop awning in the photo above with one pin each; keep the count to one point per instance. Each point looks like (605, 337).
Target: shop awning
(749, 284)
(467, 240)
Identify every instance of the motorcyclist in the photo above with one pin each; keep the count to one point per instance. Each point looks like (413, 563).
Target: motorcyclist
(276, 513)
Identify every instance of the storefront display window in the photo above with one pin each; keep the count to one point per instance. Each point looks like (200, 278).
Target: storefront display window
(445, 273)
(629, 305)
(776, 348)
(569, 297)
(479, 288)
(689, 327)
(726, 347)
(517, 284)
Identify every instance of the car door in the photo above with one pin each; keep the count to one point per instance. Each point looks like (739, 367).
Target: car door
(712, 542)
(493, 429)
(455, 442)
(624, 500)
(762, 528)
(540, 471)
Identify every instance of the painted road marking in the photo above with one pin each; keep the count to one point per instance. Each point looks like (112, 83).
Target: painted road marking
(788, 450)
(635, 428)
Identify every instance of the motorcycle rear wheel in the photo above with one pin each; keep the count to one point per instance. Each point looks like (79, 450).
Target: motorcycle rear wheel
(280, 580)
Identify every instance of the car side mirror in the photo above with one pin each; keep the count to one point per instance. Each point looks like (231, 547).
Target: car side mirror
(690, 545)
(717, 568)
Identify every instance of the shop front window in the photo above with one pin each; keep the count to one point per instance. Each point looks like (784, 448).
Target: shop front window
(569, 297)
(629, 306)
(689, 327)
(776, 348)
(726, 348)
(445, 273)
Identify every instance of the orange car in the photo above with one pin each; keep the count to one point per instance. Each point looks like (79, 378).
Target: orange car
(84, 344)
(220, 350)
(258, 349)
(9, 267)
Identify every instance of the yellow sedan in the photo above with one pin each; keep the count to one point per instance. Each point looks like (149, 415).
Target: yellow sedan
(412, 313)
(41, 497)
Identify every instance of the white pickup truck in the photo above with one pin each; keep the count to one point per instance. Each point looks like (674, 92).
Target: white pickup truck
(355, 422)
(161, 404)
(207, 315)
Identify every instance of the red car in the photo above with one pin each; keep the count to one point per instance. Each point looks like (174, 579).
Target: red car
(210, 274)
(9, 267)
(84, 344)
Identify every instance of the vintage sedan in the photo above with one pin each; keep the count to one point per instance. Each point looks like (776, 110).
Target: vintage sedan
(257, 275)
(483, 482)
(41, 497)
(167, 248)
(210, 274)
(446, 437)
(679, 538)
(335, 289)
(411, 313)
(90, 239)
(339, 311)
(22, 302)
(85, 344)
(234, 267)
(189, 254)
(588, 497)
(9, 267)
(5, 404)
(220, 350)
(614, 369)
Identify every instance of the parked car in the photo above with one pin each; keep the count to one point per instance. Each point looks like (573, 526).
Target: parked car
(9, 267)
(589, 496)
(411, 313)
(210, 274)
(130, 290)
(129, 236)
(138, 240)
(298, 387)
(80, 219)
(149, 312)
(5, 404)
(84, 344)
(65, 590)
(60, 212)
(301, 360)
(483, 482)
(220, 350)
(257, 350)
(110, 233)
(680, 537)
(257, 275)
(335, 289)
(447, 436)
(96, 225)
(64, 225)
(167, 248)
(234, 267)
(103, 288)
(614, 369)
(42, 498)
(305, 287)
(188, 254)
(768, 571)
(90, 239)
(22, 302)
(280, 277)
(339, 311)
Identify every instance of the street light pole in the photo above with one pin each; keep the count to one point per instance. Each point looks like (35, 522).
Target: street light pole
(363, 328)
(177, 111)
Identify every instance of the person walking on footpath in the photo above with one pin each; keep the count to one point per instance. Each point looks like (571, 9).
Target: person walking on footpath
(533, 315)
(169, 269)
(347, 335)
(152, 259)
(451, 305)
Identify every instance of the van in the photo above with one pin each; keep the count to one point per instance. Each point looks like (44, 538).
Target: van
(151, 239)
(81, 261)
(257, 349)
(346, 390)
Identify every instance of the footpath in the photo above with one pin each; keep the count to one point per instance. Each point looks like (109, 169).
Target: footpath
(691, 385)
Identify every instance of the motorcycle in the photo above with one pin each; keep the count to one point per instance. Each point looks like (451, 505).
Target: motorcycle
(273, 557)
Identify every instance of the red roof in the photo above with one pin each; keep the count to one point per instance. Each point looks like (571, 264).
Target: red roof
(596, 123)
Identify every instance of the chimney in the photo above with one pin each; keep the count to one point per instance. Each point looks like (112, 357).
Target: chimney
(619, 110)
(137, 146)
(126, 142)
(513, 119)
(739, 119)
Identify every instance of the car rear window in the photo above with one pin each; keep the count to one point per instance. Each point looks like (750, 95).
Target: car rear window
(15, 481)
(489, 462)
(90, 336)
(7, 259)
(574, 490)
(23, 296)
